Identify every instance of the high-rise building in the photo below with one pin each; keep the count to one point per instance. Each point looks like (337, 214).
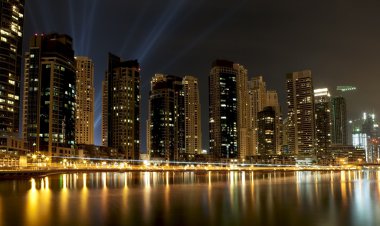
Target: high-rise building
(272, 101)
(258, 97)
(267, 131)
(285, 136)
(301, 120)
(193, 128)
(147, 137)
(166, 118)
(339, 121)
(244, 117)
(49, 94)
(84, 124)
(322, 121)
(123, 112)
(11, 26)
(229, 111)
(105, 111)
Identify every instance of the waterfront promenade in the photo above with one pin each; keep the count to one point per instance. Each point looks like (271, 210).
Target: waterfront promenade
(34, 170)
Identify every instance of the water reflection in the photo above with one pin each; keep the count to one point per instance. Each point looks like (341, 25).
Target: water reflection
(190, 198)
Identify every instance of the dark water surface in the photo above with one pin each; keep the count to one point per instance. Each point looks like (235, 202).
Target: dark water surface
(187, 198)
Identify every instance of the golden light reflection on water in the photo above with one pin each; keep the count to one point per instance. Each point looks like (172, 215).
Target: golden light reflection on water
(125, 206)
(252, 187)
(251, 194)
(243, 188)
(167, 196)
(343, 187)
(63, 198)
(146, 196)
(84, 199)
(32, 204)
(36, 198)
(104, 196)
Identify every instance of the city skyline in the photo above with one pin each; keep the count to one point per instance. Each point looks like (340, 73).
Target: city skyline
(273, 41)
(189, 112)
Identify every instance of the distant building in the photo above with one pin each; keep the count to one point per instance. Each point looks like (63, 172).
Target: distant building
(123, 112)
(84, 124)
(339, 121)
(301, 121)
(267, 131)
(229, 119)
(322, 121)
(345, 88)
(104, 133)
(285, 137)
(12, 21)
(192, 107)
(166, 118)
(49, 94)
(94, 151)
(258, 97)
(343, 154)
(272, 101)
(365, 134)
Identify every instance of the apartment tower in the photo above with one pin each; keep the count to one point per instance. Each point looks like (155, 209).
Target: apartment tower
(301, 121)
(84, 123)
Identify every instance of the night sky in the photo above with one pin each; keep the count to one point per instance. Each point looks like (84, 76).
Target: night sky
(339, 40)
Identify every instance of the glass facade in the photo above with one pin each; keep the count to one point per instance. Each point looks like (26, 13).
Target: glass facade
(123, 113)
(266, 121)
(49, 94)
(11, 27)
(223, 111)
(166, 118)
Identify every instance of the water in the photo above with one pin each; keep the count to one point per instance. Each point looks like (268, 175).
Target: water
(187, 198)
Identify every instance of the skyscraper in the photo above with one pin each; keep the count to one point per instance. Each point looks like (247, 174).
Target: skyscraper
(11, 26)
(267, 131)
(193, 128)
(272, 101)
(166, 118)
(49, 94)
(258, 97)
(228, 110)
(301, 122)
(84, 124)
(339, 120)
(123, 112)
(105, 111)
(322, 121)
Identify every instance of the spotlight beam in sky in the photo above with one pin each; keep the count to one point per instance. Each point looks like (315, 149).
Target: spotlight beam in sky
(32, 19)
(42, 22)
(98, 106)
(203, 35)
(161, 26)
(90, 25)
(133, 28)
(72, 26)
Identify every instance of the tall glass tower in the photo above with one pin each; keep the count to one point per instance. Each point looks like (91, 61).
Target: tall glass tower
(11, 30)
(228, 111)
(49, 95)
(123, 112)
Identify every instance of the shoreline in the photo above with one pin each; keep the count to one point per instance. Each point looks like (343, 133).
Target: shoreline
(30, 173)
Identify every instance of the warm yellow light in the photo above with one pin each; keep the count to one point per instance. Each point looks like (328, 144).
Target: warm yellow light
(34, 156)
